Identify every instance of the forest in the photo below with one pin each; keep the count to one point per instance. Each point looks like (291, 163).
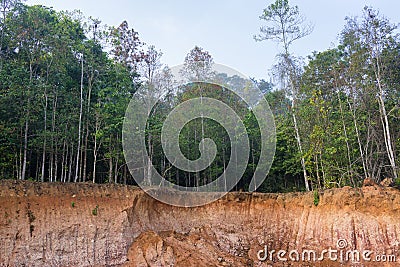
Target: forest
(66, 81)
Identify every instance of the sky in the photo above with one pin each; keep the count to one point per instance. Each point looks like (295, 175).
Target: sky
(225, 28)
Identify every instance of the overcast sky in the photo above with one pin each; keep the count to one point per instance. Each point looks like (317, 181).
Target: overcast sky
(225, 28)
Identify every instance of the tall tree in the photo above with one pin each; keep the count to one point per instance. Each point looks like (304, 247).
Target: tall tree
(126, 46)
(378, 34)
(286, 25)
(368, 44)
(198, 65)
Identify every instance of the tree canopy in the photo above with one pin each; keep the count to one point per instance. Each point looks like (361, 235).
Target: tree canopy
(66, 82)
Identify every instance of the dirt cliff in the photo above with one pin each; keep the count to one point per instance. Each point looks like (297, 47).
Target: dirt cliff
(114, 225)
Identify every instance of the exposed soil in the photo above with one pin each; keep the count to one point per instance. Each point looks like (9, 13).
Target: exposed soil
(115, 225)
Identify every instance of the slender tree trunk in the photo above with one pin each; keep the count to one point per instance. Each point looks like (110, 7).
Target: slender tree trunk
(24, 163)
(224, 173)
(110, 170)
(387, 136)
(197, 182)
(353, 112)
(80, 124)
(96, 145)
(51, 166)
(55, 176)
(89, 95)
(63, 163)
(54, 141)
(81, 164)
(85, 153)
(66, 164)
(149, 159)
(116, 171)
(125, 174)
(37, 174)
(350, 167)
(317, 169)
(385, 121)
(23, 174)
(110, 162)
(4, 13)
(300, 147)
(17, 167)
(293, 81)
(71, 159)
(95, 156)
(322, 170)
(20, 162)
(44, 136)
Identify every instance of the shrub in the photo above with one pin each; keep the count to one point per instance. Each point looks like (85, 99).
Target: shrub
(95, 210)
(316, 197)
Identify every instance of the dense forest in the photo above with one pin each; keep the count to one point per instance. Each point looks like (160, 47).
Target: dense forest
(66, 81)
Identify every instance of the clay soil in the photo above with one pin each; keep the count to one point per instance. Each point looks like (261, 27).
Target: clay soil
(56, 224)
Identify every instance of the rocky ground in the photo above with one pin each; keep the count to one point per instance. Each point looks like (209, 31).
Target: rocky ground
(114, 225)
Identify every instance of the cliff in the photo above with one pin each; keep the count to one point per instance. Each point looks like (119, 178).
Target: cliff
(115, 225)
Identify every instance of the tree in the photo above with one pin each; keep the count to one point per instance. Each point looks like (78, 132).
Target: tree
(126, 46)
(368, 45)
(151, 66)
(286, 25)
(198, 65)
(378, 35)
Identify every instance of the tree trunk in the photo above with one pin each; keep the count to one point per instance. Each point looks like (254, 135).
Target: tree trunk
(89, 95)
(224, 173)
(94, 158)
(71, 159)
(149, 159)
(350, 167)
(387, 136)
(63, 164)
(293, 80)
(125, 174)
(55, 176)
(44, 137)
(116, 171)
(23, 173)
(85, 154)
(300, 147)
(54, 140)
(110, 170)
(385, 122)
(80, 125)
(353, 112)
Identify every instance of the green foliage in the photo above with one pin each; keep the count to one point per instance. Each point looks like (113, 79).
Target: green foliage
(336, 98)
(95, 210)
(316, 197)
(40, 73)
